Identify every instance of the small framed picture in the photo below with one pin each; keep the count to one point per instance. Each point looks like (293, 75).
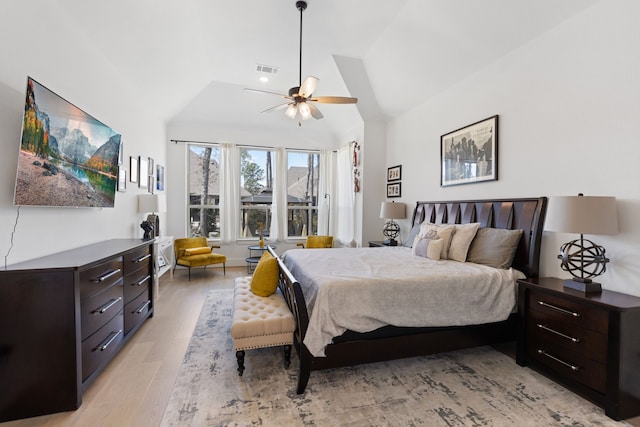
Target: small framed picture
(143, 172)
(133, 169)
(394, 190)
(120, 152)
(151, 183)
(160, 178)
(152, 169)
(394, 173)
(122, 179)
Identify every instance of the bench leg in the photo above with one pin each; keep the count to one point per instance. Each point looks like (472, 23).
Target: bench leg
(240, 358)
(287, 356)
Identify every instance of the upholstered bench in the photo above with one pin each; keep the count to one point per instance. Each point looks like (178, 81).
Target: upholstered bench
(260, 322)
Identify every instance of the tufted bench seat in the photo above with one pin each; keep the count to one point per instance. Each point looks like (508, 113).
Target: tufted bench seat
(259, 322)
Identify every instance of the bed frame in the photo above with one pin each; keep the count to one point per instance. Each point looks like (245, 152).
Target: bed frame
(391, 342)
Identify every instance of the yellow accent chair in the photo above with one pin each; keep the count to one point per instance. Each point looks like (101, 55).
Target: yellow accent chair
(314, 242)
(194, 252)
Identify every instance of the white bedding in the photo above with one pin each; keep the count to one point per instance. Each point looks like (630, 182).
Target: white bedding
(363, 289)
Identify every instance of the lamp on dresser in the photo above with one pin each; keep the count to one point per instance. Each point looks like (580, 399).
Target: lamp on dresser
(391, 211)
(582, 258)
(151, 203)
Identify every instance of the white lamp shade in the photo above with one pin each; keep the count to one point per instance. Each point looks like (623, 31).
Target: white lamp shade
(392, 210)
(152, 203)
(582, 214)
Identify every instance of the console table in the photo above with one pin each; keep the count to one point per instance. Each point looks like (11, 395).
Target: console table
(63, 317)
(252, 260)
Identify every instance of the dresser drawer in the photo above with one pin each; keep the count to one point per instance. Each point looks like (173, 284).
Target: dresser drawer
(568, 364)
(99, 277)
(99, 309)
(553, 307)
(135, 284)
(136, 311)
(99, 348)
(137, 259)
(560, 333)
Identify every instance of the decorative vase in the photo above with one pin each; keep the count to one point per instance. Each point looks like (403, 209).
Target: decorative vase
(261, 241)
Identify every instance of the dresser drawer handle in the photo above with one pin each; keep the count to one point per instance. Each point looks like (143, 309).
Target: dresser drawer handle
(143, 307)
(109, 341)
(106, 276)
(142, 258)
(147, 277)
(561, 310)
(568, 365)
(108, 305)
(570, 338)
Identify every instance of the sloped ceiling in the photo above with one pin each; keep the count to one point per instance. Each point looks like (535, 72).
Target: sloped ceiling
(191, 58)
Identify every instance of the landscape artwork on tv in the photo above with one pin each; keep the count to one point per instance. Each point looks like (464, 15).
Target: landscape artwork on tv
(67, 157)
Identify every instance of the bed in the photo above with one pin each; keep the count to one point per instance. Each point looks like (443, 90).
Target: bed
(377, 340)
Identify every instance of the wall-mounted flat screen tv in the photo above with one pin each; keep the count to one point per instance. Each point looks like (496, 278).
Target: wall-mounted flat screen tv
(67, 157)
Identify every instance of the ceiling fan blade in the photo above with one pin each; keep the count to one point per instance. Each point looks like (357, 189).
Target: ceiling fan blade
(315, 113)
(334, 100)
(277, 107)
(267, 92)
(308, 86)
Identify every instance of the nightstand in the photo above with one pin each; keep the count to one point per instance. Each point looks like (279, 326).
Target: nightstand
(377, 244)
(590, 343)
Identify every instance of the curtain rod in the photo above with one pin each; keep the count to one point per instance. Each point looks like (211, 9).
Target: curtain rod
(243, 146)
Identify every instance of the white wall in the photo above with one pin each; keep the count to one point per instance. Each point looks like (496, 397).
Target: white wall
(41, 42)
(569, 103)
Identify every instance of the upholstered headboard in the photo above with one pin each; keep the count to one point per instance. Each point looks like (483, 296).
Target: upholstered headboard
(526, 214)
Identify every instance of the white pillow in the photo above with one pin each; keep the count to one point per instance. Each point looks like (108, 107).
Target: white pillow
(427, 247)
(444, 232)
(461, 240)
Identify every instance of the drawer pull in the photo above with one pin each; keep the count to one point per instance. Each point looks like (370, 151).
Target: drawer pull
(106, 276)
(142, 281)
(108, 305)
(142, 258)
(561, 310)
(109, 340)
(562, 362)
(143, 307)
(548, 329)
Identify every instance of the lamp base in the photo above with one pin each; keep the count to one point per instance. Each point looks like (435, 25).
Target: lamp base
(390, 242)
(583, 286)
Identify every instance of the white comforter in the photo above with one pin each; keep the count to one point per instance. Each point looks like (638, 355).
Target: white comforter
(366, 288)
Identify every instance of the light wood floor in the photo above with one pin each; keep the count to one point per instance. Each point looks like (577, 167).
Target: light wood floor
(134, 389)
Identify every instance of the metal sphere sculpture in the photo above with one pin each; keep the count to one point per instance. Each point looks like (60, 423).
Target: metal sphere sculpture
(391, 230)
(583, 259)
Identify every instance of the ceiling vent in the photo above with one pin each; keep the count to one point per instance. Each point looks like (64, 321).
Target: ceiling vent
(267, 69)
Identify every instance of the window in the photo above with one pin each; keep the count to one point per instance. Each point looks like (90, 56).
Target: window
(256, 191)
(204, 191)
(303, 171)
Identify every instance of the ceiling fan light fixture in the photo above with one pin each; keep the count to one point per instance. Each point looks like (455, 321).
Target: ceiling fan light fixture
(291, 111)
(305, 111)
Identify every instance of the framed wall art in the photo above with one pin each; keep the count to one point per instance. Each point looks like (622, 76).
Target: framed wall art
(122, 179)
(133, 169)
(160, 178)
(394, 189)
(143, 172)
(394, 173)
(470, 154)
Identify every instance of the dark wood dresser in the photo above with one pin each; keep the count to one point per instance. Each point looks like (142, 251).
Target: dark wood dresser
(590, 343)
(62, 319)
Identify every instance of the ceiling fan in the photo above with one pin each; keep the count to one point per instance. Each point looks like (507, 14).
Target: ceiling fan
(300, 100)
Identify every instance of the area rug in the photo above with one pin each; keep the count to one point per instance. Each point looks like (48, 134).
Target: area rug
(473, 387)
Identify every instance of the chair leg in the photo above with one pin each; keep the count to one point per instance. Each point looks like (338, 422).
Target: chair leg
(240, 358)
(224, 268)
(189, 273)
(287, 356)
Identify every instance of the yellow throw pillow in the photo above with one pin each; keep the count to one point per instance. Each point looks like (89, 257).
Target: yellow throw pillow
(265, 277)
(197, 251)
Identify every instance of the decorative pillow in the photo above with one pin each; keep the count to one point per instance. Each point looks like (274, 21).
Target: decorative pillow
(461, 240)
(427, 247)
(412, 236)
(444, 232)
(494, 247)
(265, 277)
(197, 251)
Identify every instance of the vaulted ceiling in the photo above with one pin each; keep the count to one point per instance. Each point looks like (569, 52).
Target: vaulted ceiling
(191, 59)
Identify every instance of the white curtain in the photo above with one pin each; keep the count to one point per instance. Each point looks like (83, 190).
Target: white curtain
(344, 199)
(325, 192)
(229, 191)
(278, 230)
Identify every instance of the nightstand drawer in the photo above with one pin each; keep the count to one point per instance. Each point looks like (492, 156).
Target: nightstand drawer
(557, 308)
(568, 364)
(556, 334)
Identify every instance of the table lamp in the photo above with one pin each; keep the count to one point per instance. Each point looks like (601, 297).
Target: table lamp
(391, 211)
(151, 203)
(581, 214)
